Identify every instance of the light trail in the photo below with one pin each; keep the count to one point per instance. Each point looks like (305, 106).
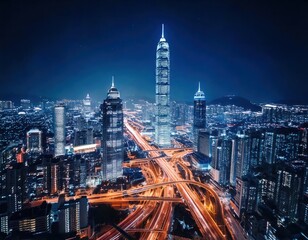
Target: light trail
(203, 219)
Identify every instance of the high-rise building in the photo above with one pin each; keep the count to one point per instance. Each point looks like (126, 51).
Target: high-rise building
(83, 137)
(73, 215)
(34, 140)
(179, 113)
(245, 198)
(199, 121)
(59, 129)
(25, 103)
(242, 161)
(113, 150)
(233, 163)
(204, 143)
(221, 160)
(13, 186)
(54, 178)
(4, 218)
(162, 97)
(87, 103)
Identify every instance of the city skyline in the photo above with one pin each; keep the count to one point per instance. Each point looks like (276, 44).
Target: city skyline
(203, 136)
(252, 50)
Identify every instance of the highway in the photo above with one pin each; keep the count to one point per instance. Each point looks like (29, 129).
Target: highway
(208, 227)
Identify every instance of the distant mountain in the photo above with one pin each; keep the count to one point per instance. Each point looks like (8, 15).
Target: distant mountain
(237, 101)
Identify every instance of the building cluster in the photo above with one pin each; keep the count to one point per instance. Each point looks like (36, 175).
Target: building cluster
(4, 105)
(264, 163)
(39, 178)
(60, 149)
(64, 219)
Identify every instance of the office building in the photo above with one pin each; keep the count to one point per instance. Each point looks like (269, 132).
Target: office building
(13, 186)
(199, 121)
(162, 97)
(34, 141)
(59, 130)
(83, 137)
(87, 104)
(73, 215)
(112, 144)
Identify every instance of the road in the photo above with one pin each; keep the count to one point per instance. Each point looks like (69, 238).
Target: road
(205, 222)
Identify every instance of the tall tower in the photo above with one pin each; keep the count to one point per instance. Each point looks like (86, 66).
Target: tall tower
(199, 113)
(87, 104)
(162, 97)
(59, 129)
(113, 150)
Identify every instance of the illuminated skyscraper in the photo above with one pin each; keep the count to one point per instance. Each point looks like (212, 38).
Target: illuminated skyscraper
(199, 113)
(162, 114)
(59, 125)
(113, 150)
(87, 104)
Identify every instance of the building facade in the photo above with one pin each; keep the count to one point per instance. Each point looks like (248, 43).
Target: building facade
(199, 121)
(59, 130)
(87, 104)
(33, 220)
(112, 144)
(162, 97)
(34, 140)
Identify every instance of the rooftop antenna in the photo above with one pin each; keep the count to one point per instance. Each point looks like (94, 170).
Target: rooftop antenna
(199, 88)
(112, 82)
(162, 31)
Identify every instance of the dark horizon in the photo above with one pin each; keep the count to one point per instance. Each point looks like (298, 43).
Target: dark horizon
(256, 50)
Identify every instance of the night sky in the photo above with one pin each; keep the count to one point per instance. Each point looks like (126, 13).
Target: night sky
(66, 49)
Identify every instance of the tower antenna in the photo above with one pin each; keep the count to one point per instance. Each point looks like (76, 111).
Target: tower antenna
(162, 31)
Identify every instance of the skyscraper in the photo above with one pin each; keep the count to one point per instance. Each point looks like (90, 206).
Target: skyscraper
(59, 129)
(87, 104)
(199, 113)
(13, 186)
(113, 150)
(162, 114)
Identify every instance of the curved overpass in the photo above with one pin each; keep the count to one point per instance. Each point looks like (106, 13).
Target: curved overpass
(135, 199)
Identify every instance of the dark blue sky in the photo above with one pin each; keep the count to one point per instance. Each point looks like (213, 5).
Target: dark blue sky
(255, 49)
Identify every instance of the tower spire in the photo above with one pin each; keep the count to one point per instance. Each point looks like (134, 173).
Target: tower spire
(112, 82)
(199, 87)
(162, 31)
